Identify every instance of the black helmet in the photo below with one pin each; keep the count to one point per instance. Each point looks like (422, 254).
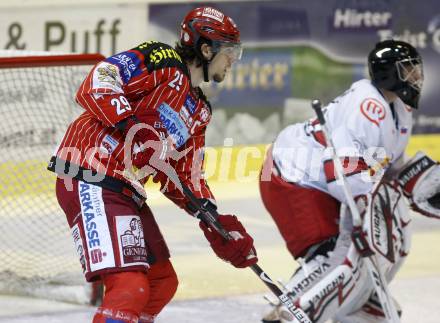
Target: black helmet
(397, 66)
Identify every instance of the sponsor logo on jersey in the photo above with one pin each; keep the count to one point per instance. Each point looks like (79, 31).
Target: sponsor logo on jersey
(95, 225)
(96, 256)
(109, 144)
(213, 13)
(147, 44)
(184, 114)
(132, 246)
(127, 62)
(174, 124)
(157, 55)
(190, 104)
(158, 125)
(79, 246)
(373, 110)
(107, 73)
(88, 213)
(204, 114)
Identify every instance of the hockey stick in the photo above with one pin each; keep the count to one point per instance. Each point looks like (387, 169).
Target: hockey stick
(209, 217)
(361, 244)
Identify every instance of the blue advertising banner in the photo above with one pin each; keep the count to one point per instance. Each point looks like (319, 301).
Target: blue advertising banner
(305, 49)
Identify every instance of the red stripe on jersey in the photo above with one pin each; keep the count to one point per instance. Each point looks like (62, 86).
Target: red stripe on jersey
(85, 142)
(350, 166)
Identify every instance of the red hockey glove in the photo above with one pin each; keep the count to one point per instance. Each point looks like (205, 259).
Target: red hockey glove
(240, 251)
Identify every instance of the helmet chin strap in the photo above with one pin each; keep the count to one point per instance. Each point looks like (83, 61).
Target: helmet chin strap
(205, 64)
(409, 96)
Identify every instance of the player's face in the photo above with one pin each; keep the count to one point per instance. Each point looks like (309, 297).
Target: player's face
(222, 62)
(219, 66)
(412, 72)
(415, 76)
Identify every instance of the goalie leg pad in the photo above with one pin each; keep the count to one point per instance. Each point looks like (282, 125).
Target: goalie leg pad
(371, 312)
(327, 285)
(341, 289)
(363, 317)
(338, 284)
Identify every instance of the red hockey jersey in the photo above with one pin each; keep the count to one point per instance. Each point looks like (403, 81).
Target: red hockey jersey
(152, 83)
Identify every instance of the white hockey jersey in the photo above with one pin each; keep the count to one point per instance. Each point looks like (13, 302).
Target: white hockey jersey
(368, 134)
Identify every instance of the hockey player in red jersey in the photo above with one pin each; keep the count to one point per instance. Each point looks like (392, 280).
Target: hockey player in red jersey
(144, 108)
(369, 125)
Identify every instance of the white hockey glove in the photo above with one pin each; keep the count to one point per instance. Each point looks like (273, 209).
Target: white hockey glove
(420, 182)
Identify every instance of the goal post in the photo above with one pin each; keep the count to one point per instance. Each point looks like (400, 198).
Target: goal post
(50, 60)
(37, 253)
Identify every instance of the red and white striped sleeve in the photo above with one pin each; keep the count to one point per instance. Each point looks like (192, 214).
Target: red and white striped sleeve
(104, 92)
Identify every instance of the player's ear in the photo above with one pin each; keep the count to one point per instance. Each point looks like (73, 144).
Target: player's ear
(206, 51)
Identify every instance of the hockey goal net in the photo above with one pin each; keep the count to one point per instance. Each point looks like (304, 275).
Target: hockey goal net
(37, 255)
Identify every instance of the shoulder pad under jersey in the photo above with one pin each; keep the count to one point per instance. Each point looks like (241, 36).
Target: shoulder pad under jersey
(160, 55)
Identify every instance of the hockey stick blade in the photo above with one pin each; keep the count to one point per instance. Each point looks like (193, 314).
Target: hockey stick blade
(210, 219)
(378, 278)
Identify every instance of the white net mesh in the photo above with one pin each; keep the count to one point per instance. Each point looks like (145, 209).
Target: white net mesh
(37, 255)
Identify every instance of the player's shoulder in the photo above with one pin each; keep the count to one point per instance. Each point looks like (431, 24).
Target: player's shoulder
(158, 55)
(364, 89)
(369, 104)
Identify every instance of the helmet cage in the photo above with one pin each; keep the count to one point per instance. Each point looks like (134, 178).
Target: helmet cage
(410, 71)
(397, 67)
(233, 50)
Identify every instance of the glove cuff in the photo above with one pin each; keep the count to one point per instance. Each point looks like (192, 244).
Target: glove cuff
(410, 174)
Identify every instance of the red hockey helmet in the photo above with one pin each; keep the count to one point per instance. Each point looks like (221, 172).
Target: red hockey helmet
(210, 23)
